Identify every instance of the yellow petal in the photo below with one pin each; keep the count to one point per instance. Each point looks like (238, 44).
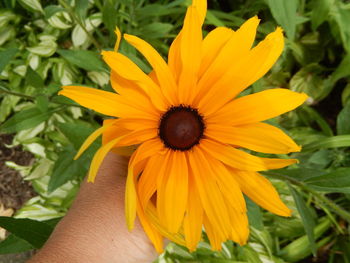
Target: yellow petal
(151, 213)
(174, 55)
(240, 225)
(201, 6)
(144, 151)
(228, 186)
(161, 69)
(209, 193)
(212, 45)
(172, 195)
(137, 137)
(241, 160)
(191, 42)
(193, 220)
(147, 184)
(234, 51)
(174, 58)
(258, 107)
(119, 37)
(104, 102)
(93, 136)
(137, 124)
(233, 199)
(113, 130)
(259, 137)
(99, 157)
(261, 191)
(214, 238)
(127, 69)
(244, 72)
(152, 232)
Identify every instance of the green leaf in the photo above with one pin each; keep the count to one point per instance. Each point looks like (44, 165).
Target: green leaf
(308, 80)
(306, 217)
(342, 71)
(33, 79)
(34, 232)
(314, 116)
(254, 214)
(329, 142)
(6, 56)
(300, 174)
(50, 10)
(84, 59)
(66, 169)
(343, 120)
(13, 244)
(334, 181)
(285, 13)
(81, 7)
(76, 132)
(42, 102)
(320, 11)
(341, 15)
(156, 30)
(24, 120)
(109, 16)
(32, 5)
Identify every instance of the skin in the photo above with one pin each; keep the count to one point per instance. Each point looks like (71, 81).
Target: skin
(94, 229)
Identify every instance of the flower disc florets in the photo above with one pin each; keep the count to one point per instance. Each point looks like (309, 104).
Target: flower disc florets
(181, 128)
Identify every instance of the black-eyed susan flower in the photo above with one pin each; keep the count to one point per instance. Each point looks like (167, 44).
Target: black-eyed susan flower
(187, 127)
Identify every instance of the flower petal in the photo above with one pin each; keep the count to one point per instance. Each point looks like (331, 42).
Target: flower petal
(209, 193)
(119, 38)
(127, 69)
(137, 137)
(193, 220)
(242, 160)
(143, 152)
(201, 6)
(174, 57)
(161, 69)
(93, 136)
(258, 107)
(99, 157)
(152, 232)
(214, 238)
(235, 50)
(191, 42)
(147, 184)
(104, 102)
(228, 186)
(259, 137)
(244, 72)
(173, 193)
(261, 191)
(212, 45)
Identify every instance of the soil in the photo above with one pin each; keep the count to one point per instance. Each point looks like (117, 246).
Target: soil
(14, 191)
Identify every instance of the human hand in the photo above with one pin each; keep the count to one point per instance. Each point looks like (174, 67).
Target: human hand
(94, 229)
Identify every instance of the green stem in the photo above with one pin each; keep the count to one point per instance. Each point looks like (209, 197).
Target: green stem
(336, 208)
(2, 89)
(80, 23)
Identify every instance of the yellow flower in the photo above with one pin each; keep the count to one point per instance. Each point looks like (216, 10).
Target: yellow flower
(187, 125)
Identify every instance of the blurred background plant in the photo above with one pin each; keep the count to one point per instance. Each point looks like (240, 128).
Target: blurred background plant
(46, 44)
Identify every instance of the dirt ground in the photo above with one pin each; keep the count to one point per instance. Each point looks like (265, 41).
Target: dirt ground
(14, 191)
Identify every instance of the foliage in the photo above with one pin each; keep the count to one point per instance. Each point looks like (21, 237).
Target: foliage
(45, 45)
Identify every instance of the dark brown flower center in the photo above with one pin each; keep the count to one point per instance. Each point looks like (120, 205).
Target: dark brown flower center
(181, 128)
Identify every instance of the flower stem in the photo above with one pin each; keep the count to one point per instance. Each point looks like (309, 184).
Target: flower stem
(332, 205)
